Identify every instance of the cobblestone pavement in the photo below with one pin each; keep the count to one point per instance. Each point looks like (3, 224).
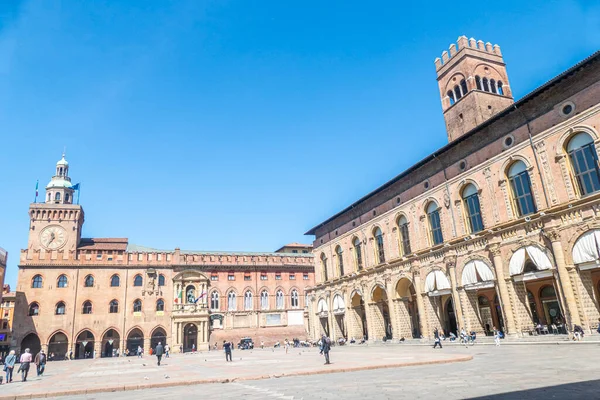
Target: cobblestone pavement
(515, 372)
(209, 367)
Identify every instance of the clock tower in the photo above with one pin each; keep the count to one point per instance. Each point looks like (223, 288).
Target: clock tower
(56, 224)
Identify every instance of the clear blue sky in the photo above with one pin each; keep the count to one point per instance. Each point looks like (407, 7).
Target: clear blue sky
(239, 125)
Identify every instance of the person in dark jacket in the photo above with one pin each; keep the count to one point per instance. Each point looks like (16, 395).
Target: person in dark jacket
(227, 347)
(40, 362)
(159, 352)
(325, 348)
(436, 337)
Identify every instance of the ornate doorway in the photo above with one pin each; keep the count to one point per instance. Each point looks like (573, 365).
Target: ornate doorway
(190, 337)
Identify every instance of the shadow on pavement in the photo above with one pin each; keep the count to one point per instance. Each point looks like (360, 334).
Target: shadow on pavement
(580, 390)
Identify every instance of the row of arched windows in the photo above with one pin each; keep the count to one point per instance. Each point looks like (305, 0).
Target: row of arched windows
(87, 307)
(88, 281)
(249, 300)
(489, 85)
(458, 92)
(586, 171)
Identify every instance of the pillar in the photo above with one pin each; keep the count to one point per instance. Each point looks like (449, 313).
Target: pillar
(506, 305)
(393, 307)
(564, 279)
(424, 328)
(451, 264)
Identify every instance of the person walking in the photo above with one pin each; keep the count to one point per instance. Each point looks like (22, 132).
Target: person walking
(167, 350)
(227, 348)
(286, 345)
(193, 348)
(159, 352)
(139, 351)
(325, 348)
(40, 362)
(496, 336)
(25, 360)
(9, 365)
(436, 338)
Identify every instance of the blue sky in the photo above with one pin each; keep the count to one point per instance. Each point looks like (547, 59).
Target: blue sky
(239, 125)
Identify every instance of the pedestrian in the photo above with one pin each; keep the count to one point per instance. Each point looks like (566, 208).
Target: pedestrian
(325, 348)
(496, 336)
(436, 338)
(139, 351)
(287, 345)
(262, 342)
(167, 350)
(40, 362)
(159, 352)
(193, 348)
(25, 360)
(181, 348)
(227, 348)
(9, 365)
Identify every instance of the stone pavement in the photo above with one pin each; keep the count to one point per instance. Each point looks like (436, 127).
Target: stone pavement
(505, 372)
(118, 374)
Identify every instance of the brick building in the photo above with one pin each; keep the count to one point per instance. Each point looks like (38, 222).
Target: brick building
(500, 227)
(105, 295)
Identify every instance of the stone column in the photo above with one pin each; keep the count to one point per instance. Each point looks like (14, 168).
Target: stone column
(424, 328)
(565, 280)
(451, 265)
(393, 310)
(506, 305)
(97, 349)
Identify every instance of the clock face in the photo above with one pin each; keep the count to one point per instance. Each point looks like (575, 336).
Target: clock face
(53, 237)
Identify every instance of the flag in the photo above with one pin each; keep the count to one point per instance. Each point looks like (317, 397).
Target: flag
(75, 187)
(178, 298)
(37, 183)
(199, 297)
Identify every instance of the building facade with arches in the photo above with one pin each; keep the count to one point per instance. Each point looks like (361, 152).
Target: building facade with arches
(499, 228)
(104, 296)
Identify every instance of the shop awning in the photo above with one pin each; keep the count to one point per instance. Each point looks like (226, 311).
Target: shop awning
(436, 280)
(322, 306)
(586, 248)
(537, 256)
(338, 304)
(474, 268)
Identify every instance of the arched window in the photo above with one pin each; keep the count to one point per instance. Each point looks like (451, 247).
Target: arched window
(248, 301)
(115, 281)
(548, 292)
(137, 305)
(59, 309)
(340, 260)
(472, 208)
(451, 97)
(161, 280)
(463, 87)
(435, 227)
(160, 305)
(294, 299)
(521, 189)
(584, 161)
(358, 253)
(379, 249)
(231, 306)
(89, 281)
(478, 82)
(404, 237)
(62, 281)
(57, 196)
(66, 197)
(264, 300)
(214, 300)
(486, 85)
(36, 282)
(279, 300)
(49, 196)
(493, 85)
(500, 90)
(324, 266)
(87, 307)
(34, 309)
(457, 92)
(113, 307)
(137, 280)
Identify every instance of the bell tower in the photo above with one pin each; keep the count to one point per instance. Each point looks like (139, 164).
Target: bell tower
(473, 84)
(55, 225)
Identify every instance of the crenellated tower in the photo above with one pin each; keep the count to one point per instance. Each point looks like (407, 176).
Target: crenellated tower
(473, 84)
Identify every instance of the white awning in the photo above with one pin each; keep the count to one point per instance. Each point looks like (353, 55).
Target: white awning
(436, 280)
(338, 304)
(322, 306)
(539, 258)
(474, 268)
(586, 248)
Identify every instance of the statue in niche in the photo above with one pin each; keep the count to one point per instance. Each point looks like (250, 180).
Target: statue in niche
(191, 295)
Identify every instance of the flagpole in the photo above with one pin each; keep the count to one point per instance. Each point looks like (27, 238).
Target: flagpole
(78, 192)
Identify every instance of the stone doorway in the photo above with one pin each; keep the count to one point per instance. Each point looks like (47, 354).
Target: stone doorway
(190, 337)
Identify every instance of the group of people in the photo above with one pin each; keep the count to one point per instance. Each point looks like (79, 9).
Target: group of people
(465, 337)
(25, 363)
